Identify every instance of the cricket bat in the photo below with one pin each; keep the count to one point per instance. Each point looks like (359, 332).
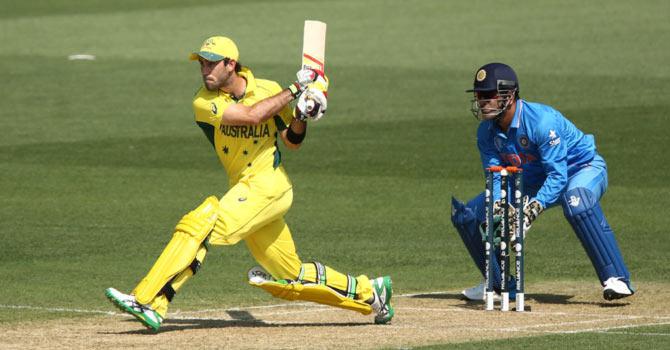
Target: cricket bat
(314, 52)
(314, 45)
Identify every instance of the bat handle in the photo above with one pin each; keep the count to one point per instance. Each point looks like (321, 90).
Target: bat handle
(309, 106)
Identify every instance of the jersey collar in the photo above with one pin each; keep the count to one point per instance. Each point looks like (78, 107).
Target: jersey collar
(516, 121)
(251, 83)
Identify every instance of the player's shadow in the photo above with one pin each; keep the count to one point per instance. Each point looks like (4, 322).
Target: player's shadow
(454, 296)
(238, 319)
(566, 299)
(469, 304)
(541, 298)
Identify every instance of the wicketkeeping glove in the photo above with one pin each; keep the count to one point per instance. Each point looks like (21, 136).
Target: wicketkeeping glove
(497, 218)
(531, 210)
(312, 105)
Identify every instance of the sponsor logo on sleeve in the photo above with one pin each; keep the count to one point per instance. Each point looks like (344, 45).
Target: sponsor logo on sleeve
(555, 140)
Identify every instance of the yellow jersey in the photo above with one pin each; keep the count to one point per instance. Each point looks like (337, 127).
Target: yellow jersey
(242, 149)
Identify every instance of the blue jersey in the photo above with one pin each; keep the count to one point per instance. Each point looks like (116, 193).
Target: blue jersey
(543, 142)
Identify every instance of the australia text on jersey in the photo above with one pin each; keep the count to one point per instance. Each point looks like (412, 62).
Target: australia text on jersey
(246, 131)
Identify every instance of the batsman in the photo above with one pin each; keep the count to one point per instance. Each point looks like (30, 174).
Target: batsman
(561, 166)
(243, 117)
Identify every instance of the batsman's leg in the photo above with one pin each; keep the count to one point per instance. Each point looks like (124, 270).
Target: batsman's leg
(265, 197)
(180, 259)
(180, 253)
(273, 248)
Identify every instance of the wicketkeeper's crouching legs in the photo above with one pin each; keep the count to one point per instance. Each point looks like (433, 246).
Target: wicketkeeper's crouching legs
(467, 219)
(582, 209)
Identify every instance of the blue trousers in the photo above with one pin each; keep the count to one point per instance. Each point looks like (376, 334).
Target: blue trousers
(580, 202)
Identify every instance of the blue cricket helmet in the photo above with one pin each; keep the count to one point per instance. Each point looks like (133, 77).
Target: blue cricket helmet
(493, 82)
(495, 77)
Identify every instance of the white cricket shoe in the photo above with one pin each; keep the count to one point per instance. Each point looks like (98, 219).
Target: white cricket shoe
(477, 293)
(616, 288)
(382, 288)
(127, 303)
(257, 275)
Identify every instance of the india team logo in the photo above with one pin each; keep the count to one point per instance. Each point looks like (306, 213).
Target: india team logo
(481, 75)
(523, 141)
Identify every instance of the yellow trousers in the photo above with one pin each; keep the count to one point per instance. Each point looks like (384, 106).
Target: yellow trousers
(253, 210)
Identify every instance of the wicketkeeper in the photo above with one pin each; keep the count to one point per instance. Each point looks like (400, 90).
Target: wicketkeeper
(243, 117)
(560, 166)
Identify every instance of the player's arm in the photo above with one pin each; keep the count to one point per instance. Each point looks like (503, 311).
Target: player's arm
(239, 114)
(311, 105)
(294, 133)
(554, 158)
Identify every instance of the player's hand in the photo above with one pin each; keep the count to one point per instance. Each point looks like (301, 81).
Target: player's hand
(496, 230)
(321, 83)
(511, 215)
(531, 210)
(305, 77)
(498, 210)
(312, 105)
(308, 77)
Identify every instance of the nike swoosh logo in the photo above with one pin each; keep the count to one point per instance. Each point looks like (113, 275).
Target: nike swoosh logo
(242, 199)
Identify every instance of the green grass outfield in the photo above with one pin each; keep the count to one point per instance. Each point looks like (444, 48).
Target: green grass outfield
(100, 159)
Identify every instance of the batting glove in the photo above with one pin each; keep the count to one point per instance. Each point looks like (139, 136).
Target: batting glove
(531, 210)
(312, 105)
(308, 77)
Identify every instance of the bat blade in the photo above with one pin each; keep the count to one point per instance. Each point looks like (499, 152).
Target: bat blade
(314, 45)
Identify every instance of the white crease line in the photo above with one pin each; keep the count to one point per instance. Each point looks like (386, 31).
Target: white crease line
(536, 313)
(560, 313)
(410, 295)
(435, 309)
(633, 333)
(560, 324)
(527, 330)
(315, 307)
(605, 329)
(56, 309)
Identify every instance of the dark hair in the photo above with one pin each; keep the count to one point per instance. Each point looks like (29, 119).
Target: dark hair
(238, 65)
